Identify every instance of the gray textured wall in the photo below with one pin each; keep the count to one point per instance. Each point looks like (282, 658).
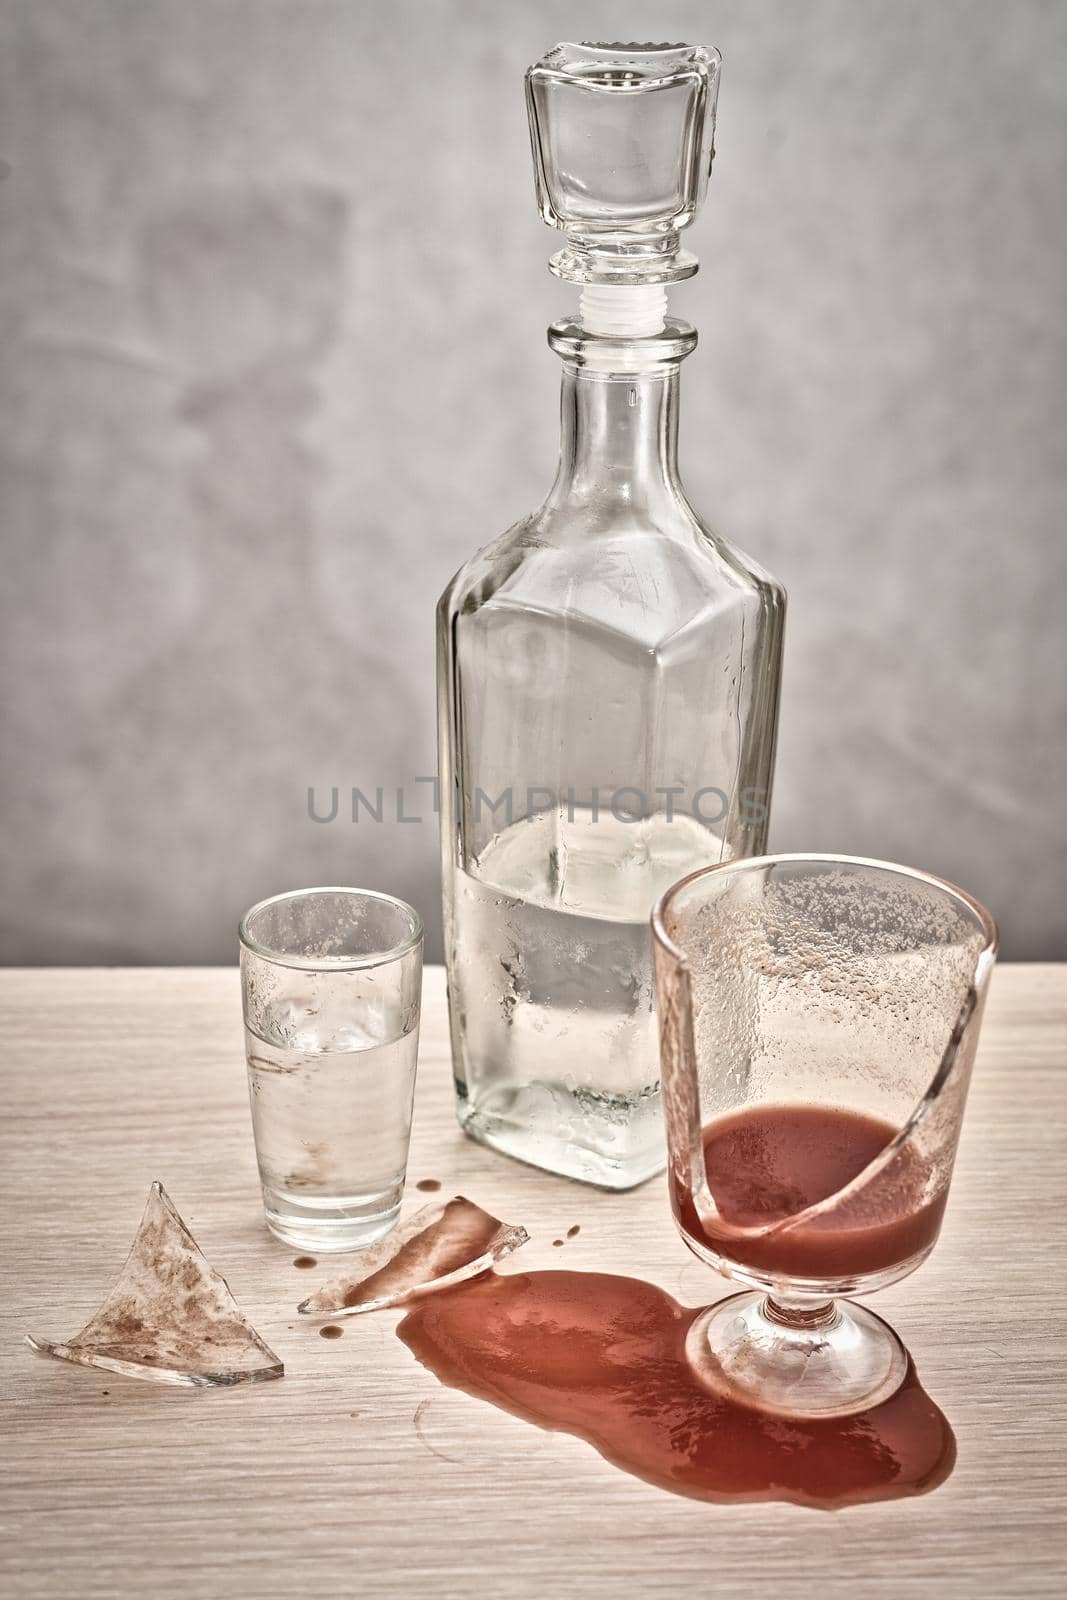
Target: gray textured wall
(272, 305)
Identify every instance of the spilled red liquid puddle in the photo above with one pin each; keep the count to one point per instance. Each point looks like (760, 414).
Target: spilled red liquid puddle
(331, 1331)
(603, 1357)
(428, 1185)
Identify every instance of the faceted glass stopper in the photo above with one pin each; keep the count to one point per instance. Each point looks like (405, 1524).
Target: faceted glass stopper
(622, 145)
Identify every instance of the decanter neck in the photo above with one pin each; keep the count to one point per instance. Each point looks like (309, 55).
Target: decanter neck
(618, 438)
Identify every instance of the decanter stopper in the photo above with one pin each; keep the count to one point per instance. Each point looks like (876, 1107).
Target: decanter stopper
(622, 140)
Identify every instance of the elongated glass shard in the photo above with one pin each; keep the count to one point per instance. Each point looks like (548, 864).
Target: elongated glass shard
(441, 1245)
(170, 1317)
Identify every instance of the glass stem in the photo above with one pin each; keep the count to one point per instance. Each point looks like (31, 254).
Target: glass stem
(806, 1317)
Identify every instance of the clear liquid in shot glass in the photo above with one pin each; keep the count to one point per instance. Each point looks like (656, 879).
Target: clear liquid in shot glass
(331, 1102)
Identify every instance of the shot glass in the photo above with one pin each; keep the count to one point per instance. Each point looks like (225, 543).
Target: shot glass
(331, 982)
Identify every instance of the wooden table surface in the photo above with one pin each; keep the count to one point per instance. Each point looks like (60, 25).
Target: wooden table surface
(358, 1474)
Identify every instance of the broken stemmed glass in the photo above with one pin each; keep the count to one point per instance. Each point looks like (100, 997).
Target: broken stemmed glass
(818, 1021)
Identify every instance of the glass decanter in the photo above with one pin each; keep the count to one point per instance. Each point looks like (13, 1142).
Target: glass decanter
(608, 668)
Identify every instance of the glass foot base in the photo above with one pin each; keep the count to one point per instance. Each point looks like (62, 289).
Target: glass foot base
(330, 1227)
(821, 1361)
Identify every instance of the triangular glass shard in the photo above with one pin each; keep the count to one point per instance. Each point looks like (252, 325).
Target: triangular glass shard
(438, 1247)
(170, 1317)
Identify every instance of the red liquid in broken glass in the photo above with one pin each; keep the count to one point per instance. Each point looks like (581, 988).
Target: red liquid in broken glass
(769, 1162)
(604, 1358)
